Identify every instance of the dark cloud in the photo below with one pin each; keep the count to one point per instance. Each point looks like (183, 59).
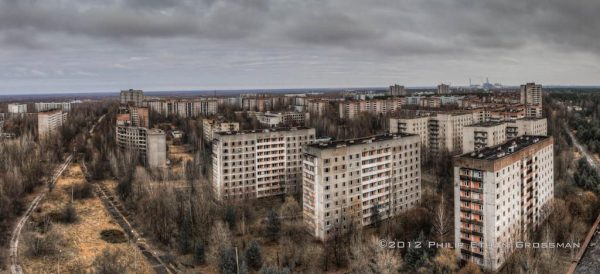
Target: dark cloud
(343, 32)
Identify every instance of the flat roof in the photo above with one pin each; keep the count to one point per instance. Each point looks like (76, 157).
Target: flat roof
(507, 148)
(267, 130)
(486, 124)
(359, 141)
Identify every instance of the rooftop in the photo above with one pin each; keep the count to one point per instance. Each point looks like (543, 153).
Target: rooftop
(504, 149)
(250, 131)
(486, 124)
(359, 141)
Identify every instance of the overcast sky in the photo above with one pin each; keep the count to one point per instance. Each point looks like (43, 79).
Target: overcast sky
(108, 45)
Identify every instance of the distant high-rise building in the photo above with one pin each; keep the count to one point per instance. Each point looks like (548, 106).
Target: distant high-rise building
(254, 164)
(397, 90)
(443, 89)
(501, 193)
(132, 134)
(131, 96)
(17, 108)
(348, 181)
(531, 97)
(50, 122)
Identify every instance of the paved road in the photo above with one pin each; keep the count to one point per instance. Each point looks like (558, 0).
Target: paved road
(15, 268)
(590, 261)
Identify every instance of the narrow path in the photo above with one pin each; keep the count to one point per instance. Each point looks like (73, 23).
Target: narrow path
(15, 268)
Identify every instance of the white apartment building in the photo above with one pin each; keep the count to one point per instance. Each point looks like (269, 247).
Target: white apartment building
(527, 126)
(210, 126)
(17, 108)
(481, 135)
(259, 163)
(439, 132)
(351, 109)
(446, 131)
(184, 107)
(45, 106)
(133, 135)
(501, 193)
(531, 97)
(285, 118)
(49, 122)
(414, 125)
(346, 181)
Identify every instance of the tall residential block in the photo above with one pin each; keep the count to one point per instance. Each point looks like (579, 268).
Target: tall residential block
(412, 125)
(484, 134)
(210, 126)
(397, 90)
(351, 109)
(501, 193)
(131, 96)
(442, 132)
(443, 89)
(527, 126)
(531, 97)
(446, 132)
(17, 108)
(50, 122)
(184, 108)
(254, 164)
(132, 134)
(350, 181)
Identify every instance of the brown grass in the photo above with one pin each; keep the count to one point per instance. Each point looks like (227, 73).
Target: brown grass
(83, 241)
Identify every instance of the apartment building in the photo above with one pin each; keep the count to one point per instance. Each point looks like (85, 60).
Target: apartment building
(132, 97)
(45, 106)
(485, 134)
(351, 109)
(132, 134)
(446, 131)
(184, 108)
(50, 122)
(254, 164)
(439, 132)
(443, 89)
(316, 106)
(16, 108)
(527, 126)
(501, 193)
(348, 181)
(287, 118)
(412, 125)
(531, 97)
(210, 126)
(397, 90)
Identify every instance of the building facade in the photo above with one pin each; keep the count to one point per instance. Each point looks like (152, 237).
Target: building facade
(210, 126)
(531, 97)
(259, 163)
(50, 122)
(480, 135)
(351, 109)
(397, 90)
(131, 96)
(348, 182)
(443, 89)
(17, 108)
(45, 106)
(501, 193)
